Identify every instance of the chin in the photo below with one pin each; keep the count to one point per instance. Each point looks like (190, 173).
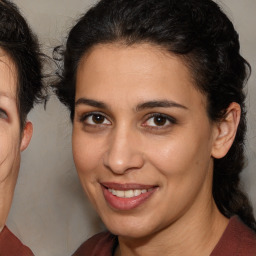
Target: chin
(130, 226)
(128, 232)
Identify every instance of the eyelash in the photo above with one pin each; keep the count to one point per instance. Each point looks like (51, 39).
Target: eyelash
(166, 118)
(83, 118)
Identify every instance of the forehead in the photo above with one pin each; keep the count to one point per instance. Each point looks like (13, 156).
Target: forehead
(141, 71)
(142, 56)
(8, 77)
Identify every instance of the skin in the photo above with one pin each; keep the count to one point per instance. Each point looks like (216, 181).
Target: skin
(129, 146)
(12, 139)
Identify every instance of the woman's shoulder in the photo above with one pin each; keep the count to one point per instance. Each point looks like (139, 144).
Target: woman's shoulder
(10, 245)
(237, 239)
(102, 244)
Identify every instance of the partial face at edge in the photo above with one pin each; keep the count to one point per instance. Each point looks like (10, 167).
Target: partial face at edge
(12, 139)
(141, 131)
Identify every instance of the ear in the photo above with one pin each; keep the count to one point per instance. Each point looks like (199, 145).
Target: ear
(26, 136)
(226, 131)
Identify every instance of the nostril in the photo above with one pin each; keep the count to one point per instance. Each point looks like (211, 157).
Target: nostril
(122, 163)
(123, 153)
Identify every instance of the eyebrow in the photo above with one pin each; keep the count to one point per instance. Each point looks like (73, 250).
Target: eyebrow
(159, 104)
(92, 103)
(140, 107)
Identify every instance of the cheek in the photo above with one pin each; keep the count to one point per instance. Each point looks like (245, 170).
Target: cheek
(86, 154)
(184, 167)
(181, 156)
(9, 153)
(87, 159)
(170, 156)
(5, 148)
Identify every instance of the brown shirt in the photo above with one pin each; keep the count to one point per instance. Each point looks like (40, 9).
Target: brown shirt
(10, 245)
(237, 240)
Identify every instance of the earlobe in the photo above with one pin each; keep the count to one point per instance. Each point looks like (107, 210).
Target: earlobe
(226, 131)
(26, 136)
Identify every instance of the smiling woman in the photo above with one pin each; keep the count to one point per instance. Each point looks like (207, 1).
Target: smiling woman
(155, 90)
(20, 88)
(123, 159)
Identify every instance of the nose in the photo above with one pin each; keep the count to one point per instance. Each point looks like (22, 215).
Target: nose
(123, 153)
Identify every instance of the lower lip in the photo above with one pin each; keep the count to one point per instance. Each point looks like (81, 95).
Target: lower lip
(125, 204)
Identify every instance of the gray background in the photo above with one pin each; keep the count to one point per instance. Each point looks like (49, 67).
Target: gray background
(50, 212)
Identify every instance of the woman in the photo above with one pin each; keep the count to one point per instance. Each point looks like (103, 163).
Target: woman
(20, 88)
(155, 90)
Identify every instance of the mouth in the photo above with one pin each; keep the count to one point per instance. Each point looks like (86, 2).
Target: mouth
(128, 193)
(126, 196)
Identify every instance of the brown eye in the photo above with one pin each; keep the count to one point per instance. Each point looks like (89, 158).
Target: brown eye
(98, 119)
(159, 120)
(95, 119)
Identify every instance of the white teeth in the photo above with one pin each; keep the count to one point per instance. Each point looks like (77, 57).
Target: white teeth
(137, 192)
(128, 193)
(120, 193)
(112, 191)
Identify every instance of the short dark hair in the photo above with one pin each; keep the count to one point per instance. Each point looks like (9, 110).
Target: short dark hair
(21, 45)
(202, 35)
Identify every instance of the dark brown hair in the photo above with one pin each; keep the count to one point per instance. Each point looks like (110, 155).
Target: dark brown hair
(18, 41)
(197, 31)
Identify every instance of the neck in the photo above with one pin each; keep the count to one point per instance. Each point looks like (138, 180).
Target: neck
(187, 236)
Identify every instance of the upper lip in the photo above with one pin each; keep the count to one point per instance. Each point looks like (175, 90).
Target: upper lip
(126, 186)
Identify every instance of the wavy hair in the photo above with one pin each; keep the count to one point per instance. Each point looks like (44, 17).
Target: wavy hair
(201, 34)
(21, 45)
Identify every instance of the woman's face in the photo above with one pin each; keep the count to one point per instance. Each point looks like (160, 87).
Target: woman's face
(10, 135)
(142, 140)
